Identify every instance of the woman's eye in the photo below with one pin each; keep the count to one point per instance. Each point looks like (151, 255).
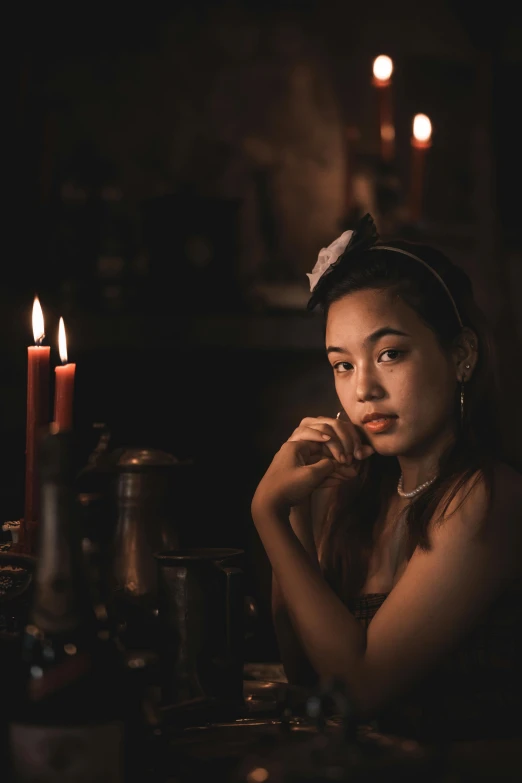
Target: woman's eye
(392, 354)
(342, 367)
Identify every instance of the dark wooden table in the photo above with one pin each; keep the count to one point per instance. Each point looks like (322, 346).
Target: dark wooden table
(290, 748)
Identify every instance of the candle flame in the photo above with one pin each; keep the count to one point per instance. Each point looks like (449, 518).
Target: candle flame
(62, 342)
(421, 127)
(38, 322)
(382, 67)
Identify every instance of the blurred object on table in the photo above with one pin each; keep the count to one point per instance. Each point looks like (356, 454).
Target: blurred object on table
(304, 743)
(11, 533)
(146, 481)
(201, 620)
(131, 508)
(269, 672)
(16, 583)
(264, 697)
(321, 740)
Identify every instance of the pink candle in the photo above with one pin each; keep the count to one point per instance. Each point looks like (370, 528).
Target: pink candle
(382, 71)
(64, 385)
(420, 142)
(38, 360)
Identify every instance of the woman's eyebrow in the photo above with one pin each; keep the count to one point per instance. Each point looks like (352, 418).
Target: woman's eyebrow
(371, 339)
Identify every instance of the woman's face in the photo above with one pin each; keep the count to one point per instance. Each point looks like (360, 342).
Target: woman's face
(386, 360)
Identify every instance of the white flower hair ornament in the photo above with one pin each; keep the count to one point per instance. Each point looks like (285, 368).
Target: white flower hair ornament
(328, 257)
(363, 237)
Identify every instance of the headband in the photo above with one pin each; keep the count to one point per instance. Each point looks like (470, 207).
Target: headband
(362, 238)
(433, 272)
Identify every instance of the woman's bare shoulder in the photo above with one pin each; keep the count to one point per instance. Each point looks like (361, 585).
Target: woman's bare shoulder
(506, 486)
(484, 508)
(495, 518)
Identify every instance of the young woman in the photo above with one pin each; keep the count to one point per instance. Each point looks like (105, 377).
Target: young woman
(394, 529)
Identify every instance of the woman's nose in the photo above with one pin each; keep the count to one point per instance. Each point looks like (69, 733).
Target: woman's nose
(368, 387)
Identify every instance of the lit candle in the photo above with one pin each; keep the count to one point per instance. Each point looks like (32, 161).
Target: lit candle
(64, 385)
(382, 71)
(38, 357)
(420, 142)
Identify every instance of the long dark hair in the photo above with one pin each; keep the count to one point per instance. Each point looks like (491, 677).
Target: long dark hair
(347, 536)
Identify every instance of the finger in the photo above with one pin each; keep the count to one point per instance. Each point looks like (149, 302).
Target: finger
(344, 472)
(321, 432)
(320, 470)
(336, 478)
(347, 469)
(314, 458)
(318, 442)
(341, 471)
(345, 433)
(363, 452)
(360, 450)
(310, 433)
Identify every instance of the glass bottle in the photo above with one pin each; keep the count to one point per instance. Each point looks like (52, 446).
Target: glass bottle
(68, 713)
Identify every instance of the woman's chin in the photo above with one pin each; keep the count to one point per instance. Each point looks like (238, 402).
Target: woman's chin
(388, 448)
(387, 451)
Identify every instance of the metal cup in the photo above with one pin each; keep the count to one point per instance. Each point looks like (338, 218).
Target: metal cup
(201, 617)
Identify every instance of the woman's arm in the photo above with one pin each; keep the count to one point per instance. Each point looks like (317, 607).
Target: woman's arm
(295, 661)
(323, 467)
(440, 595)
(306, 521)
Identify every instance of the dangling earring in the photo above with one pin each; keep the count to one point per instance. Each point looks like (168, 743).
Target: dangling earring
(462, 397)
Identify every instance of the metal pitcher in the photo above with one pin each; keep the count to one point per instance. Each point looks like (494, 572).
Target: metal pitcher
(146, 519)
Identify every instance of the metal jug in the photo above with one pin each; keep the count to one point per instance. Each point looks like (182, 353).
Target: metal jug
(201, 617)
(146, 519)
(150, 494)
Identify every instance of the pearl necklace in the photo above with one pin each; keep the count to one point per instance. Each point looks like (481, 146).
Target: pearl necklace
(415, 491)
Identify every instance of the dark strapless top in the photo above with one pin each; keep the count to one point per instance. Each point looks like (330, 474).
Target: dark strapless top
(475, 692)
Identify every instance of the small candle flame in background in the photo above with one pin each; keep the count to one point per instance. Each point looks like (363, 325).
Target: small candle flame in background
(38, 322)
(62, 342)
(382, 68)
(422, 129)
(420, 142)
(382, 71)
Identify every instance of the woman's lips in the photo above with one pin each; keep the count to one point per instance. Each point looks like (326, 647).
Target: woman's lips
(380, 425)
